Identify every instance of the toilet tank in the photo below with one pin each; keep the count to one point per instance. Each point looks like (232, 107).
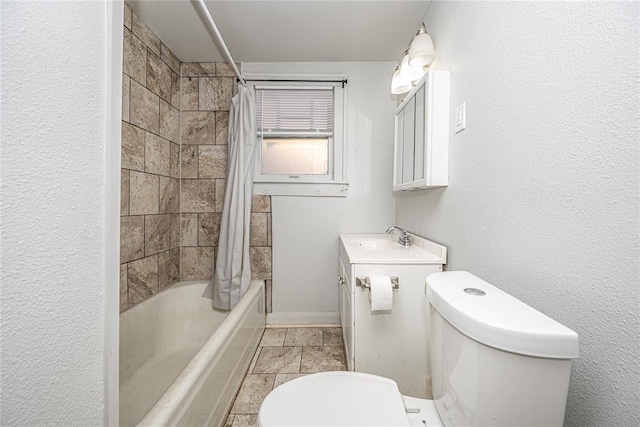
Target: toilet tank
(495, 361)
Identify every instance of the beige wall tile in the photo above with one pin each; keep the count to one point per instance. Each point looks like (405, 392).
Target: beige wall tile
(175, 230)
(134, 58)
(126, 90)
(168, 268)
(260, 263)
(169, 195)
(269, 230)
(197, 263)
(223, 69)
(222, 127)
(209, 228)
(142, 278)
(212, 161)
(169, 122)
(158, 77)
(198, 195)
(167, 56)
(144, 196)
(198, 127)
(124, 303)
(124, 192)
(220, 191)
(132, 156)
(189, 161)
(127, 16)
(131, 238)
(144, 108)
(175, 90)
(189, 90)
(174, 160)
(157, 233)
(215, 93)
(189, 229)
(157, 155)
(258, 234)
(261, 203)
(145, 33)
(196, 69)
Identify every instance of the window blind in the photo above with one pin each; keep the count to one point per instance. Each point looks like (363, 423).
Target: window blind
(295, 111)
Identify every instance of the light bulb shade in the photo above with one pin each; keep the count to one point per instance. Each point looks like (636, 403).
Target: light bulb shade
(399, 84)
(422, 53)
(409, 72)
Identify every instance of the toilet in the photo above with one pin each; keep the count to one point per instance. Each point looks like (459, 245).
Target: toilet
(495, 361)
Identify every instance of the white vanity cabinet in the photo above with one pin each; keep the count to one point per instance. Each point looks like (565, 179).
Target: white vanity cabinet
(395, 343)
(421, 153)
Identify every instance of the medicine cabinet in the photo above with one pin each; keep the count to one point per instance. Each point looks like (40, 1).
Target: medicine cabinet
(421, 152)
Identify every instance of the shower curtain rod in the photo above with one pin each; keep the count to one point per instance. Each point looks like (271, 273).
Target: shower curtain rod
(225, 51)
(343, 81)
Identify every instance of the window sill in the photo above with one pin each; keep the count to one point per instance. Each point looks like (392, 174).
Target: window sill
(304, 189)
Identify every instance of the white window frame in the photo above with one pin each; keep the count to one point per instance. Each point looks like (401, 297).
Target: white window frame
(332, 185)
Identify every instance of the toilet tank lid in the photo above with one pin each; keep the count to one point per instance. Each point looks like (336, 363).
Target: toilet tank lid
(491, 316)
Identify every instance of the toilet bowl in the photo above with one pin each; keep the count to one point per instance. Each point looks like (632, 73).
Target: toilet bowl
(494, 361)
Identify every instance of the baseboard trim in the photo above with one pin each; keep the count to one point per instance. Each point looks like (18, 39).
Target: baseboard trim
(317, 318)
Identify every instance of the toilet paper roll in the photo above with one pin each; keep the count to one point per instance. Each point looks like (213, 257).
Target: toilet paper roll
(381, 293)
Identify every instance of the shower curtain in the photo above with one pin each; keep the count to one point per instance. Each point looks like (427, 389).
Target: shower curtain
(233, 268)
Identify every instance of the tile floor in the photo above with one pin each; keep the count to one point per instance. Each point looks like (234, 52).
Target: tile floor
(285, 354)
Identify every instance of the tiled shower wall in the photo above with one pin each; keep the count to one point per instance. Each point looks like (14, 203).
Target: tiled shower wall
(150, 205)
(173, 174)
(207, 89)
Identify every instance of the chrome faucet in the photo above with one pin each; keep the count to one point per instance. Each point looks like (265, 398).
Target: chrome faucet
(404, 239)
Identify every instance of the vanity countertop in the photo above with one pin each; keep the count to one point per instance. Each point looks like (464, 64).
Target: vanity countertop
(381, 248)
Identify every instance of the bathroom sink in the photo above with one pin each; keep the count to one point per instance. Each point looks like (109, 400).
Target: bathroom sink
(384, 249)
(376, 245)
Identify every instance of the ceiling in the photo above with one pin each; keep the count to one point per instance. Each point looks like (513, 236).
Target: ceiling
(285, 31)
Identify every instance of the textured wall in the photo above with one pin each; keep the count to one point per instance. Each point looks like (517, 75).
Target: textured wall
(150, 184)
(543, 193)
(52, 207)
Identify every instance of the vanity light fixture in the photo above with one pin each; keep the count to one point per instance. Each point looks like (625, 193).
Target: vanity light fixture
(413, 62)
(409, 71)
(399, 83)
(422, 53)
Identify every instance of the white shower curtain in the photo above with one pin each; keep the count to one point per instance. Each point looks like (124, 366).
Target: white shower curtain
(233, 268)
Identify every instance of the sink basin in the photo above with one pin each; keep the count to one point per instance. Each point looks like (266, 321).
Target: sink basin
(376, 245)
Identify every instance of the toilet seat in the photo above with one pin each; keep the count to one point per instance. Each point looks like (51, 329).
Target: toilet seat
(334, 399)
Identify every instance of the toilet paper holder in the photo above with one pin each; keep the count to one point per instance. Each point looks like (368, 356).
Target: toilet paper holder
(365, 283)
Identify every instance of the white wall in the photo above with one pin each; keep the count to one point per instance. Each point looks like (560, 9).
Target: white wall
(57, 244)
(543, 193)
(306, 229)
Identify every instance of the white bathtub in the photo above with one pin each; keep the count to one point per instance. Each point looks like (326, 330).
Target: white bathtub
(182, 361)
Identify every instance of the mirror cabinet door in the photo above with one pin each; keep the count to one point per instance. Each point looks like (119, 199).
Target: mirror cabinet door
(408, 146)
(418, 161)
(397, 179)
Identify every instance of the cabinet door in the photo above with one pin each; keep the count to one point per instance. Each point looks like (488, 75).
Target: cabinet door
(397, 180)
(346, 316)
(409, 141)
(420, 126)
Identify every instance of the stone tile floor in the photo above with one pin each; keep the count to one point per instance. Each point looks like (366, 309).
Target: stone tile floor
(285, 354)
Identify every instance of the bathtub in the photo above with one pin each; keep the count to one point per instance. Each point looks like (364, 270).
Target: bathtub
(182, 361)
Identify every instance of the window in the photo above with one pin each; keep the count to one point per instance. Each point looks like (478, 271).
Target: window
(300, 135)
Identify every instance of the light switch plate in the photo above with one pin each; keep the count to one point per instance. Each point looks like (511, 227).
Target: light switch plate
(461, 117)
